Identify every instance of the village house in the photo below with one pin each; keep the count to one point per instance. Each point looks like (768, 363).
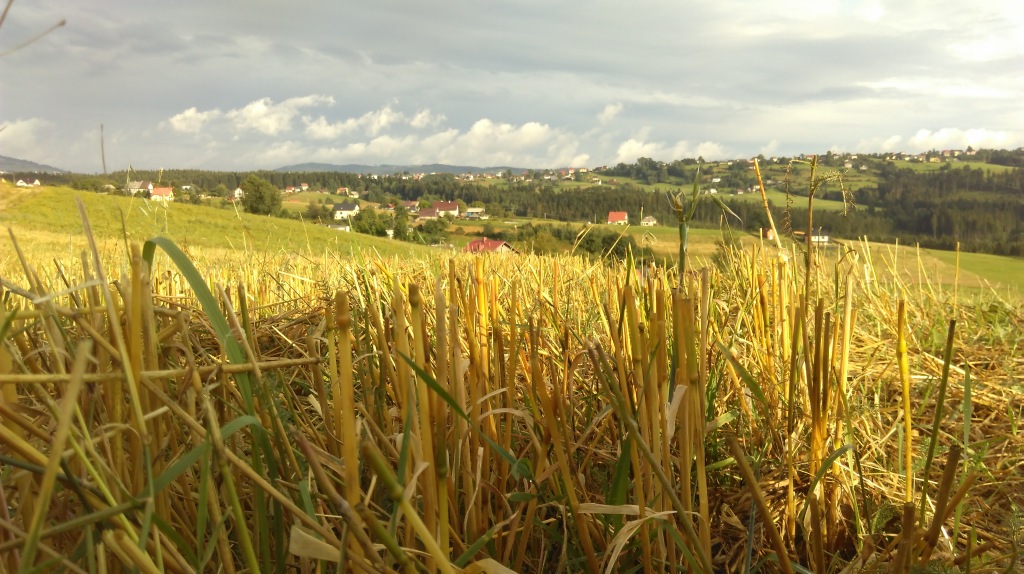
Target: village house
(484, 245)
(446, 208)
(345, 210)
(412, 206)
(648, 221)
(817, 238)
(239, 194)
(162, 194)
(23, 183)
(618, 218)
(476, 213)
(429, 213)
(136, 187)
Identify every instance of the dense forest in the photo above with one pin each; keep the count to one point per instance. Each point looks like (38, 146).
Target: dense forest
(982, 209)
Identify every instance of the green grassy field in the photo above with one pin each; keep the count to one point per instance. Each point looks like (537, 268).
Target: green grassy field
(50, 216)
(1006, 271)
(298, 202)
(779, 198)
(926, 167)
(977, 270)
(52, 213)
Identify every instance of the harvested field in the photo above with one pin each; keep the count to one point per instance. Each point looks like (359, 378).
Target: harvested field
(502, 413)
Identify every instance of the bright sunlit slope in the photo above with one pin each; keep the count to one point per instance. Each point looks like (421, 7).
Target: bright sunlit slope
(51, 215)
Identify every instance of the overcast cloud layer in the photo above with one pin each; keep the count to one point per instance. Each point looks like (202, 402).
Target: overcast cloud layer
(531, 83)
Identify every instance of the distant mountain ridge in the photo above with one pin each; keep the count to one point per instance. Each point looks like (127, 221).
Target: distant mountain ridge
(12, 164)
(387, 169)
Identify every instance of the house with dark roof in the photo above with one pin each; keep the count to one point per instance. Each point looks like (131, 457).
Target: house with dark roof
(484, 245)
(429, 213)
(345, 210)
(136, 187)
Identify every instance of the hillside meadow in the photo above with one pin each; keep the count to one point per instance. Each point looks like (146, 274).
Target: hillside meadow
(251, 394)
(50, 214)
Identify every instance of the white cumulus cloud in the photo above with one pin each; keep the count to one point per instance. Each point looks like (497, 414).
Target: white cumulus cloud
(271, 118)
(23, 138)
(769, 149)
(381, 120)
(879, 144)
(484, 143)
(371, 123)
(947, 138)
(425, 118)
(486, 134)
(633, 148)
(321, 129)
(191, 121)
(609, 113)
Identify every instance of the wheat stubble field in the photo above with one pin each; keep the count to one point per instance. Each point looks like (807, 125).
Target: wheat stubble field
(170, 410)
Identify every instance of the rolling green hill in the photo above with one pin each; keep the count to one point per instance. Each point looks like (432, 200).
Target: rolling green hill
(51, 214)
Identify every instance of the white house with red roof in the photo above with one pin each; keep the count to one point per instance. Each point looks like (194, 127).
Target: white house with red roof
(162, 194)
(618, 218)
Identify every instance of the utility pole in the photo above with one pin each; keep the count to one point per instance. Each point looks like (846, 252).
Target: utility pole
(103, 153)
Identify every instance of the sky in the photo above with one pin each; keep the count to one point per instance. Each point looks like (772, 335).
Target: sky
(260, 84)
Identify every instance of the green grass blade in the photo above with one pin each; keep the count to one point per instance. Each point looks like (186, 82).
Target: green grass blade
(751, 382)
(475, 547)
(210, 306)
(947, 359)
(825, 466)
(184, 462)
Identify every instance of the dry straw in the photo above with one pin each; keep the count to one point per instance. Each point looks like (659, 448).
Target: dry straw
(490, 414)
